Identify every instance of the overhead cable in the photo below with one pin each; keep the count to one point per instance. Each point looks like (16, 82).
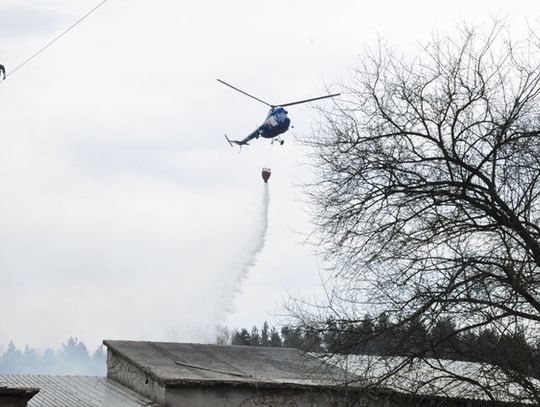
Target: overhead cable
(56, 38)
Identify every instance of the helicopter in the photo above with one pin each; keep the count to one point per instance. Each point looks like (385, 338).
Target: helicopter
(277, 122)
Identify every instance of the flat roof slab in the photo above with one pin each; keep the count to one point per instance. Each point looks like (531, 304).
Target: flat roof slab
(173, 364)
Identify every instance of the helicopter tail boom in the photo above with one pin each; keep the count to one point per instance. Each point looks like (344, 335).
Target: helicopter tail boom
(237, 142)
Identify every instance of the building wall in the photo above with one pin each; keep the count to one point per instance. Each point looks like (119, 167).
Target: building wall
(12, 402)
(246, 396)
(240, 396)
(125, 373)
(16, 396)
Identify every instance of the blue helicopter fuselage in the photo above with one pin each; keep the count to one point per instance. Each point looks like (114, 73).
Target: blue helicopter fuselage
(275, 123)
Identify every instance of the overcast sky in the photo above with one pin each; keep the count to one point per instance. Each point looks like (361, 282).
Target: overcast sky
(124, 213)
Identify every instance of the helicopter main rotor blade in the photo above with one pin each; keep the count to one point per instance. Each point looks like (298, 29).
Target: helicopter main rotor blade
(245, 93)
(310, 100)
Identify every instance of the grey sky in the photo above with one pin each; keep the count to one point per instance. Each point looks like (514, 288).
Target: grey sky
(124, 213)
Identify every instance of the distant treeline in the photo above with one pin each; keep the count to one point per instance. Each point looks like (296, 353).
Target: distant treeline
(73, 358)
(287, 336)
(442, 339)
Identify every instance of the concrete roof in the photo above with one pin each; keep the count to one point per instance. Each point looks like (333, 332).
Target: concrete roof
(76, 391)
(433, 377)
(173, 364)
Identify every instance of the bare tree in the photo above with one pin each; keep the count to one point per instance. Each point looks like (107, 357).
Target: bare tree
(427, 195)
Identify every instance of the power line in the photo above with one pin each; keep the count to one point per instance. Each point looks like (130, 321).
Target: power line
(56, 39)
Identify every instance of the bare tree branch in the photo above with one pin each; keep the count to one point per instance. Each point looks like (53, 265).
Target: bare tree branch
(427, 191)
